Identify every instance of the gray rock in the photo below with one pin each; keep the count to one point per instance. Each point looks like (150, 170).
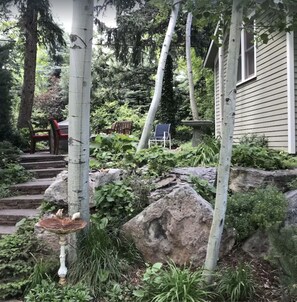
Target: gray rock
(243, 179)
(175, 227)
(208, 174)
(257, 246)
(57, 192)
(291, 217)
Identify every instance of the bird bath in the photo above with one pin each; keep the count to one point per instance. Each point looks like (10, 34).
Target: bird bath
(62, 226)
(200, 127)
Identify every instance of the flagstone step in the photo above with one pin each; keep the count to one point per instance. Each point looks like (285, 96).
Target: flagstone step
(38, 157)
(37, 186)
(46, 173)
(44, 164)
(21, 202)
(7, 230)
(12, 216)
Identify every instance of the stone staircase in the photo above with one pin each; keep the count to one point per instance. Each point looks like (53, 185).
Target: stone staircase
(28, 196)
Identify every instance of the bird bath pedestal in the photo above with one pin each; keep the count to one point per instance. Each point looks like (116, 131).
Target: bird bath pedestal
(199, 129)
(62, 227)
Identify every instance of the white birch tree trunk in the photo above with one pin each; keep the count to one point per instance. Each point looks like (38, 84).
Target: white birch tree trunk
(159, 78)
(194, 108)
(216, 231)
(79, 108)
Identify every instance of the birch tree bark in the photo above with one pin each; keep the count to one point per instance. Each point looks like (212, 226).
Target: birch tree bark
(79, 108)
(227, 141)
(193, 103)
(159, 78)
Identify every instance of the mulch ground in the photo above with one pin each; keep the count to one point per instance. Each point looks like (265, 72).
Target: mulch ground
(266, 277)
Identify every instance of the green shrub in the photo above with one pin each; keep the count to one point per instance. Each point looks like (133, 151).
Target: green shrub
(205, 154)
(115, 201)
(161, 284)
(206, 190)
(16, 261)
(254, 140)
(284, 255)
(14, 173)
(112, 150)
(49, 291)
(236, 284)
(262, 208)
(158, 160)
(8, 154)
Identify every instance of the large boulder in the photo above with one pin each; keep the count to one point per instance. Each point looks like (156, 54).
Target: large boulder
(243, 179)
(174, 227)
(177, 176)
(57, 192)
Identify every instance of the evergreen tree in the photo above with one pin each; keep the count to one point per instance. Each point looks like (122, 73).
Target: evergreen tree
(5, 97)
(168, 106)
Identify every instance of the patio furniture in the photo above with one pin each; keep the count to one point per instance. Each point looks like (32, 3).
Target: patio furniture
(123, 127)
(38, 135)
(161, 135)
(57, 134)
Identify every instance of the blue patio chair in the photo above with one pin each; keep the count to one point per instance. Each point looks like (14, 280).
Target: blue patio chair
(161, 135)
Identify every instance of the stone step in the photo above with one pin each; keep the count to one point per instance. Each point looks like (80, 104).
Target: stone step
(7, 230)
(9, 217)
(21, 202)
(41, 156)
(44, 164)
(33, 187)
(46, 173)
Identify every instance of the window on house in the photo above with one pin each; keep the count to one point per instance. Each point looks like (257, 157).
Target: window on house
(247, 56)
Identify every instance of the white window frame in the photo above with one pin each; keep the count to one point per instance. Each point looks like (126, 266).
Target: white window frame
(242, 58)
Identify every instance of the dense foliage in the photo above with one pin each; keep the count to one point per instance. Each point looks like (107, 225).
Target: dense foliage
(11, 172)
(16, 261)
(262, 209)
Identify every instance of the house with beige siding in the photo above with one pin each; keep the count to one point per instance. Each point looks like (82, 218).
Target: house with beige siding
(266, 88)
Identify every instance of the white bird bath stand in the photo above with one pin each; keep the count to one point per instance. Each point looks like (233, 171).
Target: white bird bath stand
(62, 227)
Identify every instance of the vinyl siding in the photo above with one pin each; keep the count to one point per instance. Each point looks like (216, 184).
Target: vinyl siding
(261, 105)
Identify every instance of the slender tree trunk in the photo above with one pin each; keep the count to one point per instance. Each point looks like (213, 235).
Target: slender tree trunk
(193, 103)
(227, 141)
(27, 98)
(159, 78)
(79, 108)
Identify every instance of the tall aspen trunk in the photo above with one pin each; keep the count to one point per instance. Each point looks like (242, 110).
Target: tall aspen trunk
(216, 231)
(28, 89)
(159, 78)
(193, 103)
(79, 109)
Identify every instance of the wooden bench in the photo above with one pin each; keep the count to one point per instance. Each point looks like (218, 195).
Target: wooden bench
(123, 127)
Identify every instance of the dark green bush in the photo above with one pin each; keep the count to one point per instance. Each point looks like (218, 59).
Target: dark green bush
(253, 151)
(262, 208)
(9, 154)
(16, 261)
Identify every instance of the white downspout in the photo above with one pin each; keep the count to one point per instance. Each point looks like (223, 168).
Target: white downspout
(291, 93)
